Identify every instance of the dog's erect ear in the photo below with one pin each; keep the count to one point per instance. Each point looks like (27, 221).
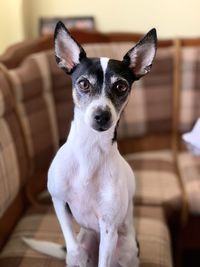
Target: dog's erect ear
(141, 56)
(68, 52)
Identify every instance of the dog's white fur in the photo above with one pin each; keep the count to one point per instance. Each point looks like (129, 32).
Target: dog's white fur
(90, 175)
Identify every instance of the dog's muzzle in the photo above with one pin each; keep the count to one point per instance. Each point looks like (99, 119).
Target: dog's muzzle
(101, 119)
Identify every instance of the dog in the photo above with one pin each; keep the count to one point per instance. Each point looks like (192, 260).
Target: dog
(88, 178)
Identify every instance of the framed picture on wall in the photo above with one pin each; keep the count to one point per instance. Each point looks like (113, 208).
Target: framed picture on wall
(47, 25)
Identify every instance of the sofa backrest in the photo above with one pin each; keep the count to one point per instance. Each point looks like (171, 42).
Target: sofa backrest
(32, 90)
(14, 163)
(150, 107)
(189, 84)
(62, 94)
(16, 53)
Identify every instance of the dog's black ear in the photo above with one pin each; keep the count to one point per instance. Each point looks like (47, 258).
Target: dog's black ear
(68, 52)
(141, 56)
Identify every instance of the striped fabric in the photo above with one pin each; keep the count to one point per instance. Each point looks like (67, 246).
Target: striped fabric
(153, 237)
(149, 109)
(190, 88)
(189, 166)
(13, 161)
(156, 179)
(32, 89)
(62, 93)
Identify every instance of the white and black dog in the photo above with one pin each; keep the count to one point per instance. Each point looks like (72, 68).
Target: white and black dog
(88, 175)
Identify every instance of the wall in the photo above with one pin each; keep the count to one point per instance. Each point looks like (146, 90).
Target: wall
(11, 26)
(171, 18)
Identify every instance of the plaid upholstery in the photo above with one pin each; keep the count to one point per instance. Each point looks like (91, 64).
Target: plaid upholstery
(156, 179)
(13, 161)
(190, 88)
(150, 106)
(62, 93)
(149, 109)
(153, 237)
(189, 166)
(31, 83)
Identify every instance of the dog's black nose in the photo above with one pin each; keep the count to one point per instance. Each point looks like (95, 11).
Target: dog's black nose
(102, 119)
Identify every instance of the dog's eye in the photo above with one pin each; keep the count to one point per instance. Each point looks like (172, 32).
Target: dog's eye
(84, 85)
(120, 87)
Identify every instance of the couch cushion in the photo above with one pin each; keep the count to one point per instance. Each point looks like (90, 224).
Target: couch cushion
(13, 160)
(189, 166)
(31, 84)
(190, 88)
(156, 179)
(62, 93)
(153, 236)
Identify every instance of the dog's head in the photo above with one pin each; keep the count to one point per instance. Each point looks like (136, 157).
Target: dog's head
(101, 86)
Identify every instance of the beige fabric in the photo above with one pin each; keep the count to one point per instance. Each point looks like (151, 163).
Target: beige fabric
(189, 166)
(156, 179)
(62, 94)
(32, 88)
(42, 62)
(13, 161)
(6, 100)
(110, 50)
(9, 169)
(153, 237)
(190, 88)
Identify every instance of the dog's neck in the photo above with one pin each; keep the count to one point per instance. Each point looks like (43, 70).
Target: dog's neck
(82, 135)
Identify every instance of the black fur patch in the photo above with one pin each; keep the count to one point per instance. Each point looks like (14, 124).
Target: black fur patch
(68, 209)
(64, 248)
(115, 133)
(138, 245)
(89, 66)
(118, 69)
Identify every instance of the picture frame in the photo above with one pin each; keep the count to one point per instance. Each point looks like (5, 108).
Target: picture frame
(47, 25)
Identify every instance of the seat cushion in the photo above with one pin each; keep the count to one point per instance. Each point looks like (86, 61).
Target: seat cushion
(153, 236)
(189, 166)
(156, 179)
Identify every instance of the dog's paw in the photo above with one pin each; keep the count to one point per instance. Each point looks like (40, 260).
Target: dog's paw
(78, 257)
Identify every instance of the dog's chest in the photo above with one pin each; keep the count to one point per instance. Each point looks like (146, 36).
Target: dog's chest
(96, 191)
(92, 182)
(83, 203)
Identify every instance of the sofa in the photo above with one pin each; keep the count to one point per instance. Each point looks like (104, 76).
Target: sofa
(35, 113)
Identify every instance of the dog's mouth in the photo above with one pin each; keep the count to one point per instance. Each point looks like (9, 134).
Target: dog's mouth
(101, 128)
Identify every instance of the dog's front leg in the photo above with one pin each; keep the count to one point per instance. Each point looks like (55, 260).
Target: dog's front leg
(108, 242)
(76, 255)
